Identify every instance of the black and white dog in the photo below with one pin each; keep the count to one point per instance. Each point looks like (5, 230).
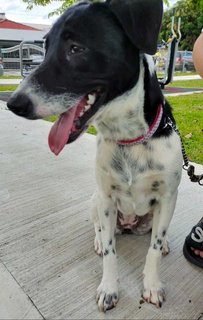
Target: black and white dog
(98, 66)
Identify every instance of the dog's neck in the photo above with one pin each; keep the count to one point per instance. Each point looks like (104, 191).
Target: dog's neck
(124, 118)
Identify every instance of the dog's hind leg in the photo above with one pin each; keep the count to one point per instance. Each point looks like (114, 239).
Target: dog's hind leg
(107, 292)
(153, 290)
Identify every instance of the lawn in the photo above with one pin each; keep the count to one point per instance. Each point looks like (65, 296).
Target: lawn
(8, 87)
(10, 77)
(187, 83)
(188, 112)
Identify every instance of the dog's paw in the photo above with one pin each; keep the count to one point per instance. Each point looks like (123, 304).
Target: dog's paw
(98, 246)
(154, 295)
(107, 296)
(166, 248)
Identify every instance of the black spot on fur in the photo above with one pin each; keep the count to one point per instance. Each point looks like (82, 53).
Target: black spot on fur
(148, 146)
(116, 187)
(152, 202)
(110, 242)
(106, 252)
(113, 250)
(161, 248)
(99, 230)
(130, 114)
(129, 193)
(142, 169)
(117, 164)
(155, 186)
(159, 241)
(164, 233)
(150, 164)
(155, 246)
(160, 167)
(106, 213)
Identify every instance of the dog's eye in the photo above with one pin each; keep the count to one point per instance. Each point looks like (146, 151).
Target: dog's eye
(75, 49)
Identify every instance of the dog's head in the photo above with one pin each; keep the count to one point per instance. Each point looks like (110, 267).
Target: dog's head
(92, 56)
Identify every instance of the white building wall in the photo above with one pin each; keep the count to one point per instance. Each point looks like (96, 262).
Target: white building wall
(21, 35)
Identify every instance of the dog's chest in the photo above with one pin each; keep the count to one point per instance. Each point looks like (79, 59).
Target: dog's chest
(135, 177)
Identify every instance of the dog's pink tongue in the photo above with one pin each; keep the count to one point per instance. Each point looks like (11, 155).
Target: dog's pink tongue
(61, 130)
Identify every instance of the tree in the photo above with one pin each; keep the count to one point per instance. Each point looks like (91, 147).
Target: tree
(191, 13)
(63, 6)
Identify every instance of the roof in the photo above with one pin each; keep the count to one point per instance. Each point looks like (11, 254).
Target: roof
(8, 24)
(44, 27)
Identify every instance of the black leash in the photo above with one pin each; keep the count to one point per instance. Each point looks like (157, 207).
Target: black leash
(187, 166)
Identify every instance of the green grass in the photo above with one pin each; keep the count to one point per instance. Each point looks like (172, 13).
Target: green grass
(179, 73)
(188, 112)
(187, 83)
(10, 77)
(8, 87)
(188, 73)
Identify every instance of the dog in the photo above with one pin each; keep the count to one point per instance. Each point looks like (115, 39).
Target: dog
(98, 68)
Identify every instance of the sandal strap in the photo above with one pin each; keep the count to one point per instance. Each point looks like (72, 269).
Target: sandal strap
(197, 236)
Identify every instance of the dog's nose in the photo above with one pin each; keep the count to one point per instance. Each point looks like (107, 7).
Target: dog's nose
(21, 105)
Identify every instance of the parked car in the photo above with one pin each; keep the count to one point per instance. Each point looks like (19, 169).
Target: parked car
(30, 64)
(184, 61)
(1, 67)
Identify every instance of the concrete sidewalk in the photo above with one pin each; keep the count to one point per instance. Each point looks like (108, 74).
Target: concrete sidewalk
(10, 81)
(48, 268)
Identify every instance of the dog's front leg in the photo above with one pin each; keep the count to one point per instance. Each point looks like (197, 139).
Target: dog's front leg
(107, 292)
(153, 289)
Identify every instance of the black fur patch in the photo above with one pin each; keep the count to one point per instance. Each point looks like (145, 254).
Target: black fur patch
(159, 241)
(155, 185)
(117, 164)
(152, 202)
(106, 213)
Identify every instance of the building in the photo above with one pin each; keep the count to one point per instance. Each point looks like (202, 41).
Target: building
(13, 33)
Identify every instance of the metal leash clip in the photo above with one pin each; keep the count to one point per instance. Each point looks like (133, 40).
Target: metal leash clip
(194, 177)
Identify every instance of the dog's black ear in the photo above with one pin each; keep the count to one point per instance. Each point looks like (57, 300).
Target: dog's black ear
(141, 20)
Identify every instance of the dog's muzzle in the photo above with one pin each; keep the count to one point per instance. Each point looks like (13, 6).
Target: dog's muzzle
(21, 105)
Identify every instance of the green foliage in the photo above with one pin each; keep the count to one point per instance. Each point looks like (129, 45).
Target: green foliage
(63, 4)
(191, 13)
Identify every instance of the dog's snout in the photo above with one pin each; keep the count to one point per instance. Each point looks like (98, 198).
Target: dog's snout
(21, 105)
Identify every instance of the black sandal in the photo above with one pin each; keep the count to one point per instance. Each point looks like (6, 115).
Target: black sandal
(194, 240)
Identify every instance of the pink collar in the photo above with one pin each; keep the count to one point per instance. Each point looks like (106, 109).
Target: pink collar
(149, 133)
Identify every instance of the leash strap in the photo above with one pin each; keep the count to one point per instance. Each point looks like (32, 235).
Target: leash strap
(187, 166)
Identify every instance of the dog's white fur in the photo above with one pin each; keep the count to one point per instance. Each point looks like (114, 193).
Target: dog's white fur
(135, 189)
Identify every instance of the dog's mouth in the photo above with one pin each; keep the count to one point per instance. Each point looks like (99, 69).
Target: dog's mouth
(73, 122)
